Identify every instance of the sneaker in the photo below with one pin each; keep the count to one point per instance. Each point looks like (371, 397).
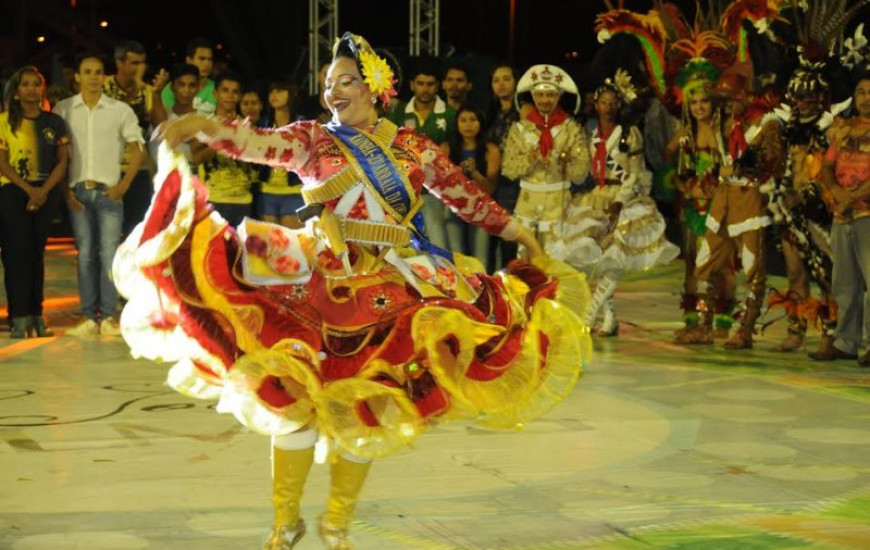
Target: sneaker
(110, 327)
(88, 327)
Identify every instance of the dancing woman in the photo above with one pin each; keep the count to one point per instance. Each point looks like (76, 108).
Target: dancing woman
(354, 328)
(615, 226)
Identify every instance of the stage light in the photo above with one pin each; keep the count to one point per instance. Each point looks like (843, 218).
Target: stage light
(40, 39)
(104, 23)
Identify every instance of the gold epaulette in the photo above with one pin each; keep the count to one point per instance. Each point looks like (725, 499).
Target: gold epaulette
(376, 233)
(332, 188)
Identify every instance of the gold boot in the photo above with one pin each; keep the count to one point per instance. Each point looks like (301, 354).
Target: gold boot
(284, 537)
(289, 472)
(347, 478)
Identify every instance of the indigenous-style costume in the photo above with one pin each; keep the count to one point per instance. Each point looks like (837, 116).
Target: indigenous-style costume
(546, 154)
(697, 174)
(797, 203)
(738, 216)
(355, 325)
(797, 200)
(615, 226)
(684, 60)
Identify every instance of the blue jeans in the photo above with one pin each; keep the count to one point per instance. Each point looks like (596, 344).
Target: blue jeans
(435, 217)
(850, 244)
(97, 230)
(278, 206)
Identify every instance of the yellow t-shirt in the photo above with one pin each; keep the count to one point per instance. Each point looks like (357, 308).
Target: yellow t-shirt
(228, 180)
(33, 147)
(279, 183)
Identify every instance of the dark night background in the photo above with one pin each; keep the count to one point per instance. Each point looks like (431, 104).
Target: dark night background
(261, 38)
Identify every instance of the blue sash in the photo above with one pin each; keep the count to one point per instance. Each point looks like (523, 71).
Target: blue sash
(385, 179)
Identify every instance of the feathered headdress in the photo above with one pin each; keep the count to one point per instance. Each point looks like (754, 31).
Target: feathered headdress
(760, 13)
(818, 24)
(649, 31)
(701, 54)
(856, 50)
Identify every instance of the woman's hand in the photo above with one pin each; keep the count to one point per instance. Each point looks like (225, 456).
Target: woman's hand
(186, 128)
(468, 166)
(530, 243)
(36, 197)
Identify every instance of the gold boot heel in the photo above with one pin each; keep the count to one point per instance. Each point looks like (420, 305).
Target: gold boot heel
(333, 538)
(284, 537)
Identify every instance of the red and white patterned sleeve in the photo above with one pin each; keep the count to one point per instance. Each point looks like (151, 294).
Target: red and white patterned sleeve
(446, 181)
(287, 147)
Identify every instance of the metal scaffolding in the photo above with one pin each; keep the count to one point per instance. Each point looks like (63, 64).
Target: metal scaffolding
(322, 32)
(424, 29)
(424, 32)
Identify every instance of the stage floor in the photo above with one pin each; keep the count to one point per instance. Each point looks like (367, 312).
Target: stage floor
(659, 446)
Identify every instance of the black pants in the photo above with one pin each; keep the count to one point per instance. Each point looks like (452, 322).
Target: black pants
(137, 199)
(23, 248)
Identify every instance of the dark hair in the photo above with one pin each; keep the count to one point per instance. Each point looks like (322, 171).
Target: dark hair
(494, 102)
(346, 47)
(12, 103)
(281, 84)
(454, 140)
(455, 65)
(182, 69)
(424, 65)
(197, 43)
(128, 46)
(292, 98)
(90, 54)
(229, 75)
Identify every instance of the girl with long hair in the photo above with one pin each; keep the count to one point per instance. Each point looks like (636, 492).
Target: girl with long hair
(33, 161)
(280, 191)
(480, 161)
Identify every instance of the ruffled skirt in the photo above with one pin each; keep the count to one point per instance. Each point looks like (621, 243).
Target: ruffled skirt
(267, 321)
(637, 241)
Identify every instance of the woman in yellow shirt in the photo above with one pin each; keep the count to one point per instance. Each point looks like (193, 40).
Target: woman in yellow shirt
(33, 160)
(281, 191)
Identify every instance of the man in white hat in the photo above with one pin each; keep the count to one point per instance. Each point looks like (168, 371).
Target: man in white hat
(546, 152)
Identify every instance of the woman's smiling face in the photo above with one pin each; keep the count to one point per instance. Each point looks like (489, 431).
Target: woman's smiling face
(347, 96)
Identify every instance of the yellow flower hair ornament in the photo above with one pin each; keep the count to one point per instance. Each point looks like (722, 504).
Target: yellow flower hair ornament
(378, 75)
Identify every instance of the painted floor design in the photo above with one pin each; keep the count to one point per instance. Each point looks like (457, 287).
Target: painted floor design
(659, 446)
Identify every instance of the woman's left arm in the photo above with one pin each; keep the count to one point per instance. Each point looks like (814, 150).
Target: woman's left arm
(464, 197)
(58, 173)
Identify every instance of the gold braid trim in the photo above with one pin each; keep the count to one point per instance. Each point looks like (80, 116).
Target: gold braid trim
(332, 188)
(336, 186)
(246, 320)
(385, 132)
(376, 233)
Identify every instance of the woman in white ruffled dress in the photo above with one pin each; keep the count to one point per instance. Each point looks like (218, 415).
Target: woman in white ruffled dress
(615, 226)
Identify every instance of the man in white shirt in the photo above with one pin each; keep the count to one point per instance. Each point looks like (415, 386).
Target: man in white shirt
(101, 129)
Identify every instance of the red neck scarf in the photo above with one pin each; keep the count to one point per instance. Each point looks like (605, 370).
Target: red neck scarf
(737, 141)
(599, 161)
(557, 117)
